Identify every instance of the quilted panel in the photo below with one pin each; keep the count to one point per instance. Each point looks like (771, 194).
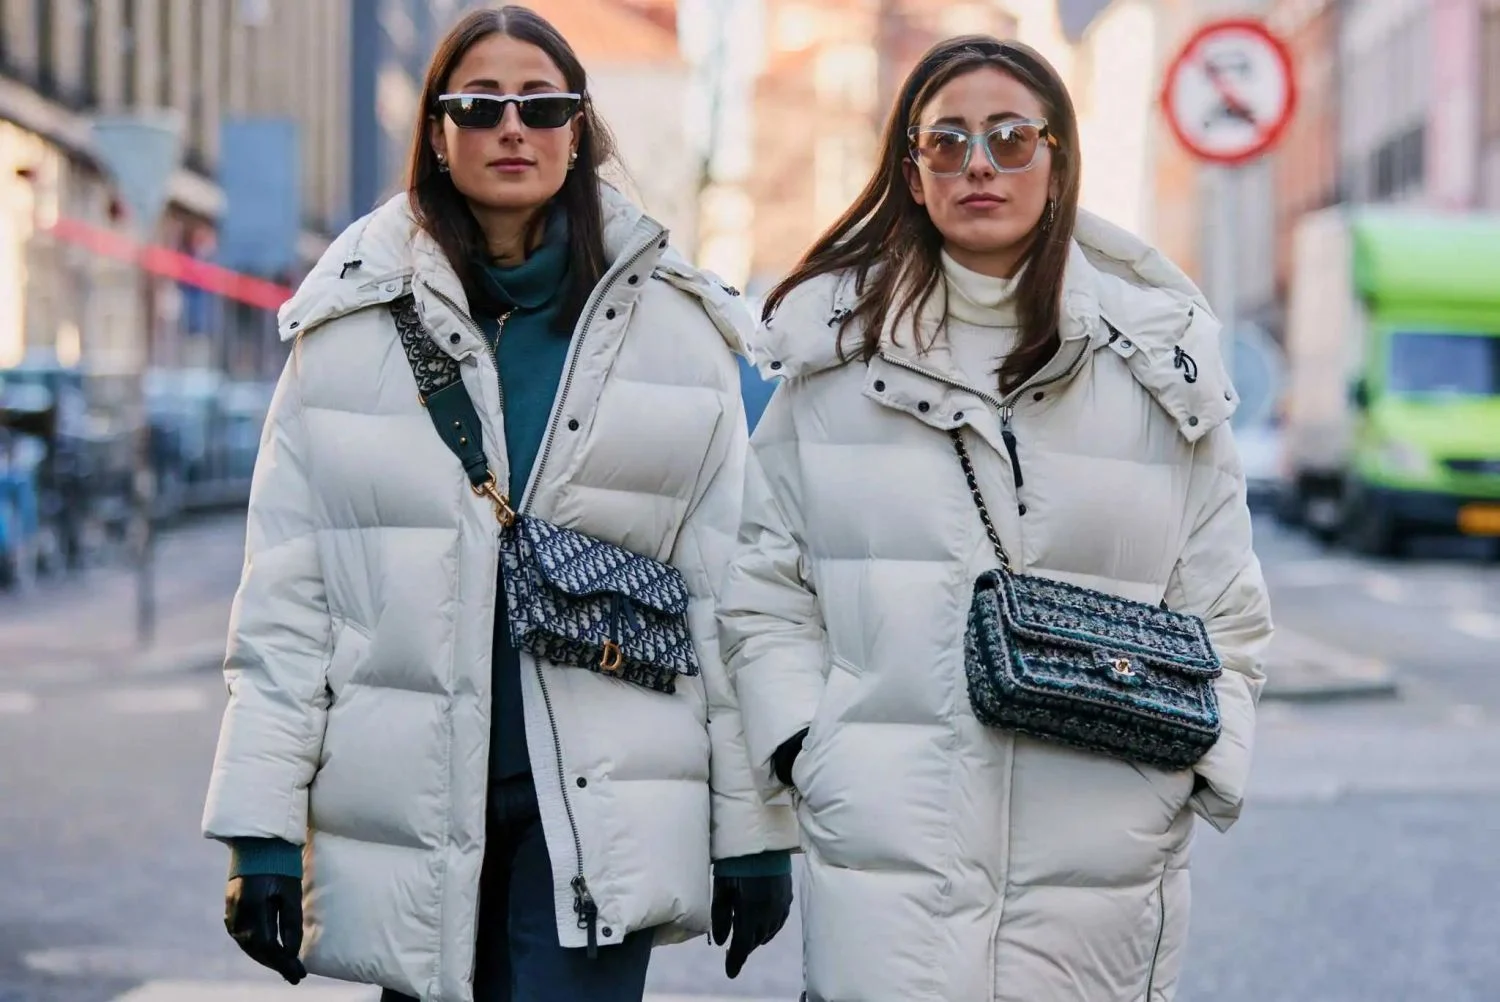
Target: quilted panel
(583, 566)
(570, 597)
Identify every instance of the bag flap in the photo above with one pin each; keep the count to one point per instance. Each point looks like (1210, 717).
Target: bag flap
(1068, 615)
(581, 565)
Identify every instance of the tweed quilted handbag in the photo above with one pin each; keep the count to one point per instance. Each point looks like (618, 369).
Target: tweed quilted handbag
(571, 599)
(1085, 668)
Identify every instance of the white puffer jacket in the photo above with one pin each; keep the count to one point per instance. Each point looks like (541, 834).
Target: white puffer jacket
(359, 657)
(947, 860)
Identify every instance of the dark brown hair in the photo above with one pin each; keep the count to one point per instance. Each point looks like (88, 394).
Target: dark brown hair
(890, 242)
(440, 208)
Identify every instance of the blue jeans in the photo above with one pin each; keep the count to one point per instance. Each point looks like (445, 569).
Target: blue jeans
(518, 958)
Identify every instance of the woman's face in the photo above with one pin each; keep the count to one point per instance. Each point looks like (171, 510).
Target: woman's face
(980, 211)
(509, 166)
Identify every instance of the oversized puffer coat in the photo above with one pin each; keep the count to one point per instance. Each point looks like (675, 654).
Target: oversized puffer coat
(948, 861)
(359, 654)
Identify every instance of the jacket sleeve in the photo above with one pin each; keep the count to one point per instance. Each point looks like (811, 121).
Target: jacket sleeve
(279, 636)
(770, 622)
(1218, 578)
(741, 823)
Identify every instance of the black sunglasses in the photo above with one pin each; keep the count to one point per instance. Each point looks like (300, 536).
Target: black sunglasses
(484, 111)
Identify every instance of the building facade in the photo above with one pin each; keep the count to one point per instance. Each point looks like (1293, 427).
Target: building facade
(1306, 163)
(209, 61)
(390, 44)
(1489, 105)
(641, 87)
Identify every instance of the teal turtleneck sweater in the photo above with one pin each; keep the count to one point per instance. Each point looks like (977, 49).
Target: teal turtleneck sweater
(530, 350)
(530, 346)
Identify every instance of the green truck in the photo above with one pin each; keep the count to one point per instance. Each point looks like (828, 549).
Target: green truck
(1392, 408)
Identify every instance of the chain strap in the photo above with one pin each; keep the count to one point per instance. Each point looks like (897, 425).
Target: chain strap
(984, 512)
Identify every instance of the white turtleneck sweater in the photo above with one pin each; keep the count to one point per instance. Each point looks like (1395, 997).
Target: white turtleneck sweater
(982, 323)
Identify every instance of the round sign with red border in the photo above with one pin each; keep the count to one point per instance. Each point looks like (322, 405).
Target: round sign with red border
(1230, 92)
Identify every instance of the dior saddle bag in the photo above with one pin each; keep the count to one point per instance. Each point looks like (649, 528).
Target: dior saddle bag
(1085, 668)
(571, 599)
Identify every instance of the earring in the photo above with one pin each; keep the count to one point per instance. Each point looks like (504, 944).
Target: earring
(1050, 215)
(572, 159)
(442, 163)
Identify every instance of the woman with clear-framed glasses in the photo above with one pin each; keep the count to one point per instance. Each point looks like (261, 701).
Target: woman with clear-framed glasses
(510, 428)
(976, 374)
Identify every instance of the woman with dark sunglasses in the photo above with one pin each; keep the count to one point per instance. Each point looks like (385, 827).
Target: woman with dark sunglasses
(461, 818)
(965, 335)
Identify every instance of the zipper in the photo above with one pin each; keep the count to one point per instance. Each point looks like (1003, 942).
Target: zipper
(1161, 932)
(583, 901)
(562, 396)
(584, 906)
(494, 349)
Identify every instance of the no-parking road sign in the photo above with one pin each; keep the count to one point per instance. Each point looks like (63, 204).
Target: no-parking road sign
(1230, 92)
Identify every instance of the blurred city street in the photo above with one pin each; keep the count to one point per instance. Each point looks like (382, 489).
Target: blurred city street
(1327, 172)
(1363, 870)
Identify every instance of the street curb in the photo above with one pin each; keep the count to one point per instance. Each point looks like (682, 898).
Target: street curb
(182, 661)
(1332, 691)
(144, 665)
(1302, 669)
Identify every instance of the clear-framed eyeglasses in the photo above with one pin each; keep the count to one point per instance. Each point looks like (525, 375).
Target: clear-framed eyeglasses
(1011, 146)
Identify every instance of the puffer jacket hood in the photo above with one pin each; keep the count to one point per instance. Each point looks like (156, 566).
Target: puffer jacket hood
(360, 642)
(1114, 282)
(389, 253)
(948, 861)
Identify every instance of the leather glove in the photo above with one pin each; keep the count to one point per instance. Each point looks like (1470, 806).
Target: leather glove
(783, 758)
(263, 913)
(755, 909)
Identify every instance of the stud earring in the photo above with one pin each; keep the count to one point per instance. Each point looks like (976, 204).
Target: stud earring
(442, 163)
(572, 159)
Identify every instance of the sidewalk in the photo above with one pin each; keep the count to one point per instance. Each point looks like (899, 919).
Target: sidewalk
(1303, 669)
(83, 627)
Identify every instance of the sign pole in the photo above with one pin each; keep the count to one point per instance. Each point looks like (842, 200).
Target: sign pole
(1226, 259)
(141, 152)
(145, 471)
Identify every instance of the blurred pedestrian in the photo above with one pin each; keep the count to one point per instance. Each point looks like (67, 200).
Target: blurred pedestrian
(463, 810)
(964, 337)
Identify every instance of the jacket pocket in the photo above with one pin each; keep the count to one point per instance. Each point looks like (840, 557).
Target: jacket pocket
(838, 691)
(350, 645)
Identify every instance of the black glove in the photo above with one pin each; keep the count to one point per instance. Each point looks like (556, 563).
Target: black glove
(263, 914)
(783, 758)
(755, 908)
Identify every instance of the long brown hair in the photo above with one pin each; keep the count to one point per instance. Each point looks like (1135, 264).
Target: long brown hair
(440, 208)
(891, 244)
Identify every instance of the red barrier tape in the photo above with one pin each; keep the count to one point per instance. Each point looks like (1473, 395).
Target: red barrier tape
(177, 266)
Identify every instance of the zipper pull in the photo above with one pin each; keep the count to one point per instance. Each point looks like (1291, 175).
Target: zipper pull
(587, 912)
(1010, 444)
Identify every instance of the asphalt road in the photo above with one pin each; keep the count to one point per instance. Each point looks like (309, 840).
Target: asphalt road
(1365, 868)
